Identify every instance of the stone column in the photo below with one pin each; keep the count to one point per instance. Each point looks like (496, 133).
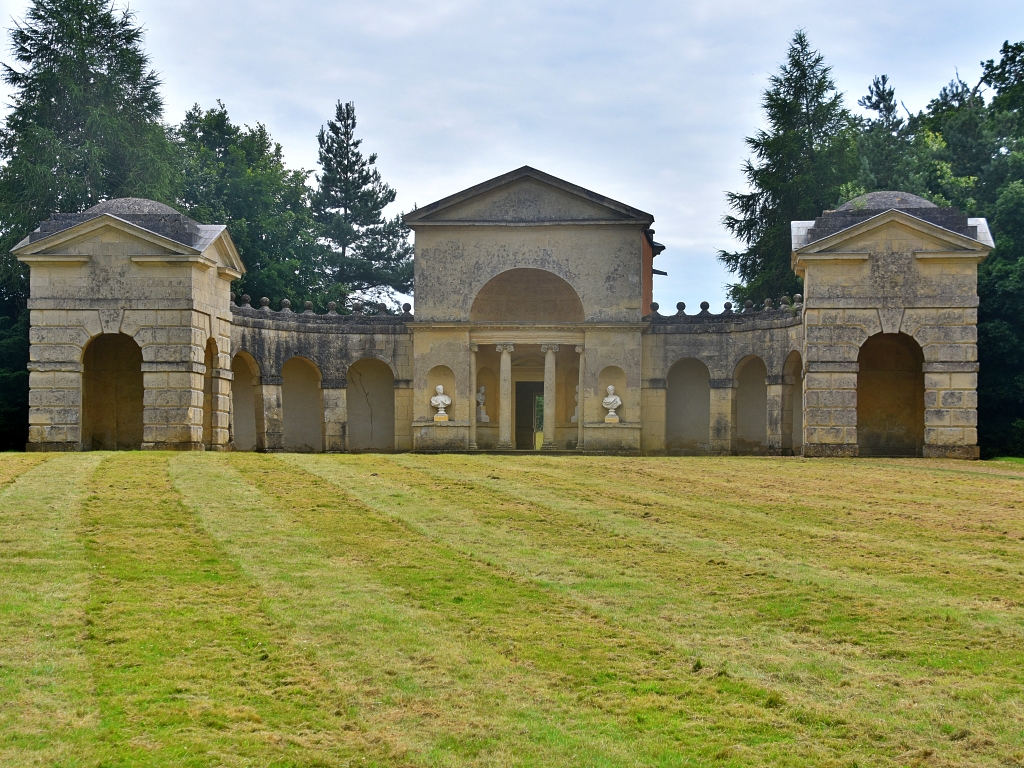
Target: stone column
(473, 349)
(273, 413)
(549, 351)
(505, 397)
(579, 419)
(723, 417)
(773, 427)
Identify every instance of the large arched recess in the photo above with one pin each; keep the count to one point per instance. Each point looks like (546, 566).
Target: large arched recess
(751, 405)
(371, 406)
(303, 406)
(112, 394)
(527, 296)
(246, 402)
(890, 396)
(688, 408)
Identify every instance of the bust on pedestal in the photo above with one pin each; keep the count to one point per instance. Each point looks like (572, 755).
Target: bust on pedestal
(576, 412)
(611, 402)
(440, 401)
(481, 411)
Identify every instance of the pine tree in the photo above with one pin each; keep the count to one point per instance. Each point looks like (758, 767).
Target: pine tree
(370, 254)
(84, 126)
(882, 146)
(800, 164)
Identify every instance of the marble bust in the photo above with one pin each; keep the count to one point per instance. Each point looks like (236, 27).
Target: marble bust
(576, 412)
(611, 402)
(440, 401)
(481, 411)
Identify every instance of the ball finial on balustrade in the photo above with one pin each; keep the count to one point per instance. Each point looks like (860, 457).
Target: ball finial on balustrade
(680, 307)
(307, 308)
(332, 307)
(246, 300)
(286, 305)
(407, 309)
(265, 303)
(798, 299)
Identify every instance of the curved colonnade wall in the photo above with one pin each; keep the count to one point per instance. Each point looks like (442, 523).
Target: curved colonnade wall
(534, 329)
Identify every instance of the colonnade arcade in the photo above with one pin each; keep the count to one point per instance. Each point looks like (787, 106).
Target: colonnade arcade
(508, 372)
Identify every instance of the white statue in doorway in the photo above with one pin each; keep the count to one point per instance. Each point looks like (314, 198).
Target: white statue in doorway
(440, 401)
(576, 413)
(611, 402)
(481, 411)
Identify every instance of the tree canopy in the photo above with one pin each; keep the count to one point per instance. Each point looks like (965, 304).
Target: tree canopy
(84, 126)
(798, 167)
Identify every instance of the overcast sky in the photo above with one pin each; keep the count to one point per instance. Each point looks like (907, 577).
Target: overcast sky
(647, 103)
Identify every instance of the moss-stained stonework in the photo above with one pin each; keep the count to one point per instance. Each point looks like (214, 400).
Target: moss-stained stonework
(526, 287)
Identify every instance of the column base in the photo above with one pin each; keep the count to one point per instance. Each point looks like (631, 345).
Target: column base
(951, 452)
(552, 446)
(831, 450)
(505, 446)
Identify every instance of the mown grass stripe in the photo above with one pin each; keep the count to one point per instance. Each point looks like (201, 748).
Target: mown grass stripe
(473, 512)
(48, 713)
(189, 669)
(410, 680)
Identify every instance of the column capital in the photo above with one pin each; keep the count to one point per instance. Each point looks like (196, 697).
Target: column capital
(505, 347)
(579, 350)
(474, 348)
(548, 347)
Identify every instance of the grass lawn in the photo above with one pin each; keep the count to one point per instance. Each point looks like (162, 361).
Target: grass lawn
(411, 610)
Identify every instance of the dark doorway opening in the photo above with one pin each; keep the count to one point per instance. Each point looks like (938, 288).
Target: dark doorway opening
(529, 414)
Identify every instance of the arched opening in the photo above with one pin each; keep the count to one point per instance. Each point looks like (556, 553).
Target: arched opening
(688, 408)
(527, 296)
(792, 405)
(614, 376)
(244, 402)
(751, 405)
(303, 408)
(112, 394)
(371, 406)
(210, 361)
(890, 396)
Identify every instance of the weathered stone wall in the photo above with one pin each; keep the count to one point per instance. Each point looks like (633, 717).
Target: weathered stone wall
(332, 343)
(721, 342)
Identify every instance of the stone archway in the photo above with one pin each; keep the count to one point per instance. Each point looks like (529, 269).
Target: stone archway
(302, 407)
(527, 296)
(370, 397)
(688, 408)
(751, 405)
(246, 403)
(890, 396)
(112, 394)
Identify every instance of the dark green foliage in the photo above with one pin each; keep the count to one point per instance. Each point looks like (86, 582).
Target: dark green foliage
(84, 126)
(369, 253)
(236, 176)
(799, 166)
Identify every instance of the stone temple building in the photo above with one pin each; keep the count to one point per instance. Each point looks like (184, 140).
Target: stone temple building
(534, 330)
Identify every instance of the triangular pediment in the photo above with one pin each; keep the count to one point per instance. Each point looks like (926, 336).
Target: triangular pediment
(526, 196)
(82, 240)
(910, 232)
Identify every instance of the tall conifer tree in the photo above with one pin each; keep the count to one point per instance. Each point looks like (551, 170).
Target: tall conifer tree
(799, 164)
(370, 254)
(84, 126)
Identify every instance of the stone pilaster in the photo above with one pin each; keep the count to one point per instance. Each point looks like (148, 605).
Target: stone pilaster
(774, 416)
(473, 349)
(335, 399)
(505, 397)
(549, 351)
(273, 413)
(723, 417)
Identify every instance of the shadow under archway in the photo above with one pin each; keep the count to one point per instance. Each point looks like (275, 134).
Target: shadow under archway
(890, 396)
(112, 394)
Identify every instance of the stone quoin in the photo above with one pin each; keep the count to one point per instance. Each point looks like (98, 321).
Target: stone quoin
(534, 314)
